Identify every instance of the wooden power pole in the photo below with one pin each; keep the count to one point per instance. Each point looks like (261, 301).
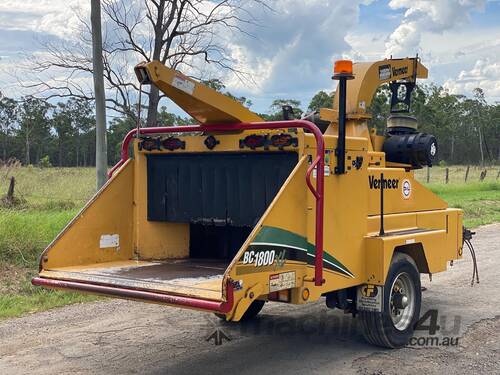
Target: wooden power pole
(101, 154)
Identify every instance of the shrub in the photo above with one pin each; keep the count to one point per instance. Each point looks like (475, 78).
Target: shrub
(44, 162)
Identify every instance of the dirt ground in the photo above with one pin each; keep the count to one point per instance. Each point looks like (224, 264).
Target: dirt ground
(126, 337)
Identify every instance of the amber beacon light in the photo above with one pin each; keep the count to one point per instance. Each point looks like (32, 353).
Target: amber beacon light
(342, 72)
(342, 67)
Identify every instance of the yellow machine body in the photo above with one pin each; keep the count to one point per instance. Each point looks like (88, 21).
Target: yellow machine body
(114, 241)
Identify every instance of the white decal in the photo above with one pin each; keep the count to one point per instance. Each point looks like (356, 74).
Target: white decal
(410, 241)
(369, 298)
(326, 170)
(433, 149)
(259, 258)
(183, 84)
(406, 189)
(109, 240)
(281, 281)
(384, 72)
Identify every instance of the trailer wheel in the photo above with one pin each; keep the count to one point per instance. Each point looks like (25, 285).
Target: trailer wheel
(393, 327)
(252, 311)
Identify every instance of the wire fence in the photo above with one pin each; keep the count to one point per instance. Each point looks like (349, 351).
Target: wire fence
(459, 174)
(62, 190)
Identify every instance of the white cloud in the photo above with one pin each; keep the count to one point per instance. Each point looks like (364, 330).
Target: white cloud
(366, 46)
(54, 17)
(296, 45)
(485, 74)
(293, 50)
(424, 16)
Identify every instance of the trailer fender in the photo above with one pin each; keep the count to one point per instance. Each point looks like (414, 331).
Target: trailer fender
(422, 246)
(416, 252)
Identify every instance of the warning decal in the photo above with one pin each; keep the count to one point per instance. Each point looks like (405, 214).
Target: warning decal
(109, 240)
(369, 298)
(183, 84)
(280, 281)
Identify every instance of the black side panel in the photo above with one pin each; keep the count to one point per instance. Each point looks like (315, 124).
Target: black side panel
(215, 189)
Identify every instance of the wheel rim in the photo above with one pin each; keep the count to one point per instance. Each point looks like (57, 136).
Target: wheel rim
(402, 301)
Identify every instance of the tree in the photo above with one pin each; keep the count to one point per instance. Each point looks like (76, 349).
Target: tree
(276, 109)
(84, 125)
(62, 124)
(166, 118)
(8, 118)
(380, 108)
(117, 130)
(182, 34)
(34, 126)
(480, 103)
(494, 129)
(321, 100)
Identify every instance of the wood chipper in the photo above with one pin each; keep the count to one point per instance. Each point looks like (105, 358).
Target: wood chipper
(233, 212)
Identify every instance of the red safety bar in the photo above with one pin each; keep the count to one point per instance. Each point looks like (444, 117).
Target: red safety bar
(318, 163)
(196, 303)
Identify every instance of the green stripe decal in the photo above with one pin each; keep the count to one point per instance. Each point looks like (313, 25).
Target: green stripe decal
(272, 236)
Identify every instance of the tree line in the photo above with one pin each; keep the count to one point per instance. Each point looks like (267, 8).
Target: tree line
(36, 131)
(467, 128)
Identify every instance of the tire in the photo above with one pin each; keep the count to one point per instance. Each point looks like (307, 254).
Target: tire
(394, 326)
(252, 311)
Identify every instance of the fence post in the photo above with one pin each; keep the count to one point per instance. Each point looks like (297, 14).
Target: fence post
(467, 173)
(498, 174)
(428, 174)
(483, 175)
(10, 192)
(447, 174)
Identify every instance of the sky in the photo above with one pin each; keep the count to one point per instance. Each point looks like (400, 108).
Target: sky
(291, 52)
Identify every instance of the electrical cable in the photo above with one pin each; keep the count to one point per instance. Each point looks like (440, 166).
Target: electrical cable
(467, 237)
(475, 271)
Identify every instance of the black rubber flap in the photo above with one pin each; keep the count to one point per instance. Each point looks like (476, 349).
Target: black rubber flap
(215, 188)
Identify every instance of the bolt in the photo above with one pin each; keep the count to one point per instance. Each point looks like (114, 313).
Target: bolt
(251, 295)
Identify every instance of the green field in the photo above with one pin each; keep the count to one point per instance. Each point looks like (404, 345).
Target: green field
(479, 200)
(49, 198)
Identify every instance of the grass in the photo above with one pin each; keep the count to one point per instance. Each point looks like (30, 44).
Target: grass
(20, 241)
(479, 200)
(50, 188)
(14, 305)
(49, 198)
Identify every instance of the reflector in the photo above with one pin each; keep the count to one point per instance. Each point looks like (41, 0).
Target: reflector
(172, 143)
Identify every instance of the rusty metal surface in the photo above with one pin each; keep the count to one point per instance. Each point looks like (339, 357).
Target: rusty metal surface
(190, 277)
(171, 270)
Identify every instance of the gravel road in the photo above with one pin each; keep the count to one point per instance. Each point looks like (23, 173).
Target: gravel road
(123, 337)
